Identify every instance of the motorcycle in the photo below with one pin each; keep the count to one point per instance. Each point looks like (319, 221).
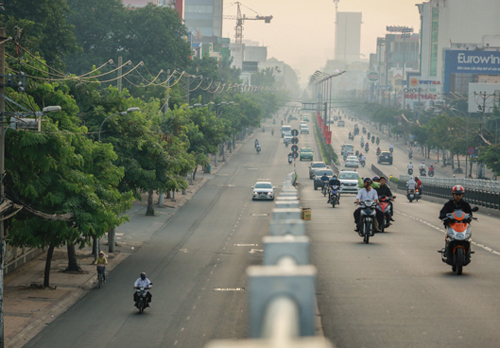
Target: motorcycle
(418, 194)
(290, 159)
(377, 141)
(457, 252)
(258, 149)
(334, 195)
(351, 137)
(423, 172)
(367, 147)
(410, 171)
(411, 195)
(272, 132)
(367, 221)
(286, 143)
(385, 207)
(378, 152)
(324, 189)
(410, 155)
(141, 303)
(431, 173)
(364, 130)
(368, 135)
(362, 162)
(373, 140)
(391, 149)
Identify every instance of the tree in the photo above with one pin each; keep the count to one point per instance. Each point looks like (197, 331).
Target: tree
(44, 28)
(491, 157)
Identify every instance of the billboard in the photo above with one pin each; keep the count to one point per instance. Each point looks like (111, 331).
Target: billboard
(483, 95)
(475, 62)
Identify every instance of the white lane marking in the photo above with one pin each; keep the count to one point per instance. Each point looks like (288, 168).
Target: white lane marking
(182, 329)
(484, 247)
(175, 343)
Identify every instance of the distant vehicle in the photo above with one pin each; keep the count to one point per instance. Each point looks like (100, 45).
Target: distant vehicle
(317, 177)
(284, 129)
(315, 166)
(352, 161)
(348, 182)
(294, 118)
(385, 157)
(304, 129)
(306, 118)
(306, 153)
(287, 138)
(347, 149)
(341, 124)
(263, 190)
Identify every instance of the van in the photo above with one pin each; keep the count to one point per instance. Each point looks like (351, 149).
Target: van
(341, 124)
(285, 129)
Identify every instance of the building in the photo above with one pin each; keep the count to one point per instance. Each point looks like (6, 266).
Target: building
(444, 23)
(203, 17)
(177, 4)
(348, 36)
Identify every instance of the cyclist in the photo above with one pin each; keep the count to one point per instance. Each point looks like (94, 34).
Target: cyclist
(102, 261)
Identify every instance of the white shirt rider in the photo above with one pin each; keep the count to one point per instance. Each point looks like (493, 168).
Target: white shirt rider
(364, 195)
(421, 166)
(146, 283)
(410, 166)
(391, 147)
(363, 158)
(411, 184)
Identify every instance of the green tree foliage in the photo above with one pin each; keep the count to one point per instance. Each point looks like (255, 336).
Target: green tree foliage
(44, 28)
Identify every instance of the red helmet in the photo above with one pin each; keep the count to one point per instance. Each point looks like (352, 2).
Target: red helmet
(458, 189)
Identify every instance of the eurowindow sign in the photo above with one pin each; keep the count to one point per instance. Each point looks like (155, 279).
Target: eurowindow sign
(475, 62)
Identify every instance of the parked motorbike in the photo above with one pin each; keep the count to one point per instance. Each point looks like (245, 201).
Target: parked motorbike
(290, 159)
(334, 195)
(431, 173)
(367, 221)
(410, 171)
(385, 207)
(142, 302)
(457, 252)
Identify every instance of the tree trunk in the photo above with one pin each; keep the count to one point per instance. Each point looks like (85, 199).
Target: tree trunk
(150, 211)
(470, 170)
(194, 171)
(72, 263)
(437, 154)
(48, 261)
(458, 161)
(168, 195)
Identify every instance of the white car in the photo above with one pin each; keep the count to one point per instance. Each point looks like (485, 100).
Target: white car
(304, 129)
(263, 190)
(346, 149)
(352, 161)
(287, 137)
(348, 182)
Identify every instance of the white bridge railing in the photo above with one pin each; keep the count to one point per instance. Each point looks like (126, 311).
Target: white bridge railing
(475, 184)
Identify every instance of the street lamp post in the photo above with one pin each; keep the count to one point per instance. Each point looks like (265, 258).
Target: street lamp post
(111, 233)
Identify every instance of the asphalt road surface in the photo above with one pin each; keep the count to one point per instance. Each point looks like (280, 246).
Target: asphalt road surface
(393, 292)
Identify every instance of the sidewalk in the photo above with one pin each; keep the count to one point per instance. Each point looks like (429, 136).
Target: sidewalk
(28, 308)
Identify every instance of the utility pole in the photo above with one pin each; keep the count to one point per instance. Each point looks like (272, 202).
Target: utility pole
(119, 81)
(167, 92)
(3, 249)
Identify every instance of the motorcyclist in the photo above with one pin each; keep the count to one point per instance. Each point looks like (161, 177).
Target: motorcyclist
(391, 147)
(411, 184)
(363, 158)
(143, 281)
(367, 194)
(378, 140)
(256, 142)
(102, 261)
(272, 131)
(257, 147)
(431, 168)
(410, 166)
(419, 184)
(421, 166)
(290, 157)
(367, 146)
(362, 140)
(384, 190)
(334, 182)
(378, 151)
(457, 203)
(349, 135)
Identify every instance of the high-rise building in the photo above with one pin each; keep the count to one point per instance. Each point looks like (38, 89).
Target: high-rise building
(348, 36)
(204, 17)
(177, 4)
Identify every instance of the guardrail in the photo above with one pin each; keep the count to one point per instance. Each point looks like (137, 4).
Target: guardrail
(282, 291)
(475, 184)
(485, 198)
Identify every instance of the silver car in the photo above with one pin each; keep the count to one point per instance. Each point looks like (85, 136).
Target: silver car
(263, 190)
(352, 161)
(348, 182)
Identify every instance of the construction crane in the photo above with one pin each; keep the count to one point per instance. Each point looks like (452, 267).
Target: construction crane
(238, 37)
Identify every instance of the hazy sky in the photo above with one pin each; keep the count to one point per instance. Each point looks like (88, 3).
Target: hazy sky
(302, 33)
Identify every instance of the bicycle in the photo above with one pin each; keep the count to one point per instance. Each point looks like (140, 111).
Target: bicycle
(100, 275)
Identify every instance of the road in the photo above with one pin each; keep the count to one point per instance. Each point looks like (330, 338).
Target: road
(393, 292)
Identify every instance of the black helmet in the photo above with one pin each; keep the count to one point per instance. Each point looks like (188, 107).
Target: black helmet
(143, 275)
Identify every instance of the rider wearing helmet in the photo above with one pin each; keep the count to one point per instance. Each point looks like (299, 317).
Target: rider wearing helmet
(376, 179)
(367, 193)
(384, 190)
(102, 261)
(457, 203)
(143, 281)
(334, 182)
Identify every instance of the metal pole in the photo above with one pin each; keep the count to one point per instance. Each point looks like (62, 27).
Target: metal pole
(119, 81)
(403, 78)
(467, 146)
(2, 170)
